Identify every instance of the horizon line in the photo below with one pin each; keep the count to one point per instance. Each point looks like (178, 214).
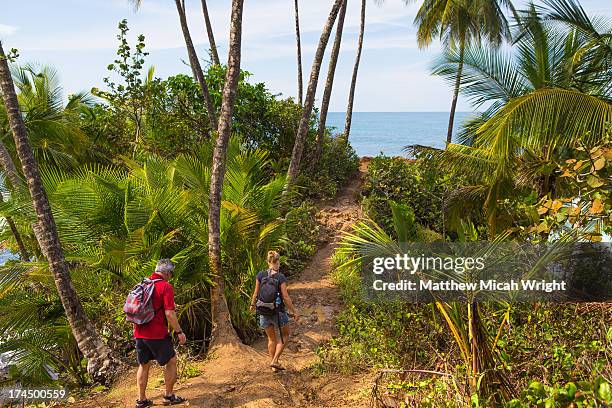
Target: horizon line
(403, 112)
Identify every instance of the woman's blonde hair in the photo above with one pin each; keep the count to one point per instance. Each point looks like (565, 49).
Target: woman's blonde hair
(273, 257)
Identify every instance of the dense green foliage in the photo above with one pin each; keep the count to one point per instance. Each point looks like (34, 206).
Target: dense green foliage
(547, 93)
(302, 234)
(415, 183)
(140, 114)
(538, 343)
(127, 173)
(534, 167)
(373, 335)
(114, 224)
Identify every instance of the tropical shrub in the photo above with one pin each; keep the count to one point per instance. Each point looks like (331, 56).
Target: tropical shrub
(321, 178)
(414, 183)
(596, 393)
(373, 335)
(580, 198)
(513, 344)
(302, 233)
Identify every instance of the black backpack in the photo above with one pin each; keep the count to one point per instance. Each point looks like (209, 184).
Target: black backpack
(269, 298)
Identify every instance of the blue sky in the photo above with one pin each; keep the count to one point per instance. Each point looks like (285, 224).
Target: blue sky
(78, 38)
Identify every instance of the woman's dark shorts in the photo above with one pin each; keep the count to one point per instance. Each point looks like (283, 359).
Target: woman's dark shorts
(160, 350)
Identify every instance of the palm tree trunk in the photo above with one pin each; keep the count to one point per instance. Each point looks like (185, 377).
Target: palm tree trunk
(6, 161)
(329, 84)
(101, 364)
(299, 54)
(300, 137)
(222, 331)
(196, 67)
(211, 35)
(23, 252)
(351, 99)
(451, 119)
(7, 164)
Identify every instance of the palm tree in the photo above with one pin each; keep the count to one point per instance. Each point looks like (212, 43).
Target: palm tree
(329, 84)
(23, 252)
(54, 127)
(8, 165)
(222, 325)
(195, 65)
(458, 23)
(299, 54)
(349, 108)
(10, 171)
(55, 136)
(194, 62)
(211, 35)
(543, 57)
(543, 97)
(300, 137)
(593, 57)
(101, 363)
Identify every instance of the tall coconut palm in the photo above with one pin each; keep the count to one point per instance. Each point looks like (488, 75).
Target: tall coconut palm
(194, 62)
(458, 23)
(541, 100)
(54, 127)
(195, 65)
(211, 35)
(351, 98)
(300, 137)
(10, 172)
(329, 84)
(23, 251)
(101, 363)
(222, 326)
(298, 41)
(8, 166)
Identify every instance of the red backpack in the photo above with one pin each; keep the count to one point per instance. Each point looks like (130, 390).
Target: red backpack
(138, 306)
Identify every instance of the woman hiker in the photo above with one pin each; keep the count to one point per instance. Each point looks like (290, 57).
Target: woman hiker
(270, 300)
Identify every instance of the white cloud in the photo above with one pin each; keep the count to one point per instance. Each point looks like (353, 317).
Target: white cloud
(7, 29)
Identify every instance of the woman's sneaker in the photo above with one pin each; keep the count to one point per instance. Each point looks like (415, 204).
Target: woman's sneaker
(173, 400)
(144, 403)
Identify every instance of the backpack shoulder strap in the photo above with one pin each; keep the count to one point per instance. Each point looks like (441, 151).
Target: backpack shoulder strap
(154, 281)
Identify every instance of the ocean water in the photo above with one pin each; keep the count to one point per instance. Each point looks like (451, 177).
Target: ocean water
(6, 255)
(388, 132)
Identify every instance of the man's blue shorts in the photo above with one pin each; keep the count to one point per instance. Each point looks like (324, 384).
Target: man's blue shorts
(273, 320)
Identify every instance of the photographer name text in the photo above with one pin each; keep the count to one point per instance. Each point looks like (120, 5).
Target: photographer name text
(482, 285)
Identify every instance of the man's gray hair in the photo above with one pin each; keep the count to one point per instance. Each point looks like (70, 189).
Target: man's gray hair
(164, 266)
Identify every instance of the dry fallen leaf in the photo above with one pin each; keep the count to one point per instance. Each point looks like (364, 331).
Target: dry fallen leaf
(597, 206)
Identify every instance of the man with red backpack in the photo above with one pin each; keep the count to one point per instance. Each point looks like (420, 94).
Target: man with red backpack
(150, 306)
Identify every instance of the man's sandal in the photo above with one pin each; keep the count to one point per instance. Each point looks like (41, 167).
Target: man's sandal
(173, 400)
(144, 403)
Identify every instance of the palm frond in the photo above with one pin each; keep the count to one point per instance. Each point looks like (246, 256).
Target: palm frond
(546, 117)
